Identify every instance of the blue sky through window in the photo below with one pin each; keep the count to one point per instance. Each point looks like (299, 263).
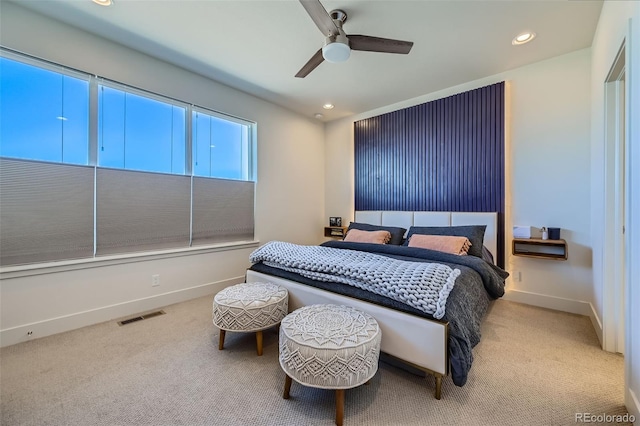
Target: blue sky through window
(44, 115)
(219, 147)
(139, 133)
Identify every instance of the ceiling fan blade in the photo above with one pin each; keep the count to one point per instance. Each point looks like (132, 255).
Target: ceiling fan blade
(320, 16)
(378, 44)
(311, 64)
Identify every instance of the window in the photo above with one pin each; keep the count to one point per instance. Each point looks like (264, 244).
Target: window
(140, 133)
(142, 172)
(44, 113)
(220, 147)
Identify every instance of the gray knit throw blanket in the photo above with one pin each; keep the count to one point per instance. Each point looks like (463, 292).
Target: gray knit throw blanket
(424, 286)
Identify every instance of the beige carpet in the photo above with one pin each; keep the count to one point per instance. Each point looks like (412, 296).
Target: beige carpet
(533, 367)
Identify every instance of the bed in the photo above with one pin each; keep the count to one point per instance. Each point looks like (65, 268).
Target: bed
(437, 347)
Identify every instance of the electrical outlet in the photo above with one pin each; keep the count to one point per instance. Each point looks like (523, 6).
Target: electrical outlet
(517, 276)
(155, 280)
(29, 333)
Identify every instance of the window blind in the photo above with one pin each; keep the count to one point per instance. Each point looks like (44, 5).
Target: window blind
(46, 211)
(138, 211)
(222, 210)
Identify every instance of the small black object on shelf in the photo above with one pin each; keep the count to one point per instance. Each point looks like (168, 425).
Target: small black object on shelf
(554, 233)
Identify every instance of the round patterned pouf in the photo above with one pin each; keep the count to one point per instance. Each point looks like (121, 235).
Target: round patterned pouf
(329, 347)
(249, 307)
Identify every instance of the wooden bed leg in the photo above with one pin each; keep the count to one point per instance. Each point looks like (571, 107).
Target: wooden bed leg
(438, 385)
(221, 341)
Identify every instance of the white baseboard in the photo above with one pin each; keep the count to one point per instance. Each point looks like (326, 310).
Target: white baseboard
(595, 321)
(549, 302)
(64, 323)
(632, 404)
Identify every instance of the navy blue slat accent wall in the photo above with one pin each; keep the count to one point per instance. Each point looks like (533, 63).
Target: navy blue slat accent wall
(444, 155)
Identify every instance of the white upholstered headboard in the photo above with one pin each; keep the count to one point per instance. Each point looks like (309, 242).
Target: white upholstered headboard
(406, 219)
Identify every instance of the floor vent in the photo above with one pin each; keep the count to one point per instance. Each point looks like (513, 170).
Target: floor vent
(141, 317)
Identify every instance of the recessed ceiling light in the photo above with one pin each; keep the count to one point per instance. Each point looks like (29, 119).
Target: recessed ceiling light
(327, 106)
(318, 116)
(523, 38)
(103, 2)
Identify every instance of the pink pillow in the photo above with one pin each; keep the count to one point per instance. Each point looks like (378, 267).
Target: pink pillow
(376, 237)
(444, 243)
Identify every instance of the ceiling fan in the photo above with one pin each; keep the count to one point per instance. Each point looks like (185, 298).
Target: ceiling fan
(338, 45)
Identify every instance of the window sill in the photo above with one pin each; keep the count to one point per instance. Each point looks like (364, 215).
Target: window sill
(119, 259)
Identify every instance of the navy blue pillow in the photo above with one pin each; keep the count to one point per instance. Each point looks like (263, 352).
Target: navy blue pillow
(397, 234)
(475, 234)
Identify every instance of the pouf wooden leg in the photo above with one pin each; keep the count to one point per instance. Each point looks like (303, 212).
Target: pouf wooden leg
(339, 406)
(287, 387)
(259, 342)
(221, 341)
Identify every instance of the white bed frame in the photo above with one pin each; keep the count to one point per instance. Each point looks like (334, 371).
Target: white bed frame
(419, 342)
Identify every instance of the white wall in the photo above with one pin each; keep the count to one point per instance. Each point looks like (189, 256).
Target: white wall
(289, 199)
(549, 179)
(612, 30)
(548, 162)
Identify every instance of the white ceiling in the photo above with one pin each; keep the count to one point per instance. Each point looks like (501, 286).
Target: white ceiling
(258, 46)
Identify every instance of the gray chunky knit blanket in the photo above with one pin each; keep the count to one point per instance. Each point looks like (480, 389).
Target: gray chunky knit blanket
(425, 286)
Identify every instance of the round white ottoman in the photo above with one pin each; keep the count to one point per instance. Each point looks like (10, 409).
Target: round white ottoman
(329, 347)
(249, 307)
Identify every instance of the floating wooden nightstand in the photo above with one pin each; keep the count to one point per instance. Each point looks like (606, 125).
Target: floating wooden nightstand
(543, 249)
(335, 231)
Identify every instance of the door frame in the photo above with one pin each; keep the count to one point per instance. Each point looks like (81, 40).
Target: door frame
(615, 122)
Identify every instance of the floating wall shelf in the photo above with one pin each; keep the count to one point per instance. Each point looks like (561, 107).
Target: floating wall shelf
(335, 231)
(543, 249)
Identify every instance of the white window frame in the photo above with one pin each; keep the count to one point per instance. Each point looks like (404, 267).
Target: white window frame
(65, 71)
(250, 137)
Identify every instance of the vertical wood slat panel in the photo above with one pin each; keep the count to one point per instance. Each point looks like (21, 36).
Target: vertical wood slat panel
(443, 155)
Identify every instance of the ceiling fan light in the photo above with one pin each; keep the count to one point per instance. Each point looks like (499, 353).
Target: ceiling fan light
(336, 52)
